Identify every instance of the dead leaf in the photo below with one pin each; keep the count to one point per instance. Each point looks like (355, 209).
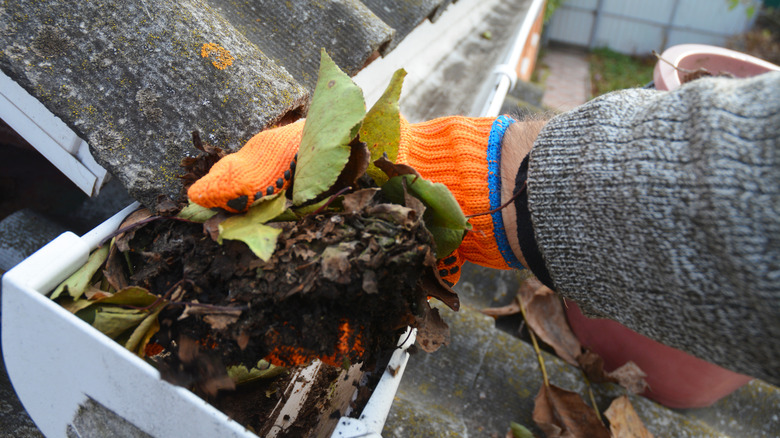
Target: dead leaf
(188, 349)
(545, 315)
(220, 320)
(629, 375)
(510, 309)
(357, 201)
(432, 331)
(564, 414)
(359, 159)
(123, 240)
(80, 281)
(392, 169)
(623, 420)
(433, 285)
(115, 271)
(211, 225)
(145, 330)
(242, 340)
(195, 168)
(335, 265)
(398, 214)
(95, 293)
(166, 207)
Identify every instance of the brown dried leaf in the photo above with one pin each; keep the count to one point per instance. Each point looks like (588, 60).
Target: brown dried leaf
(623, 420)
(357, 201)
(196, 168)
(115, 271)
(546, 317)
(123, 240)
(432, 331)
(166, 207)
(510, 309)
(395, 213)
(211, 226)
(359, 159)
(629, 376)
(393, 169)
(335, 265)
(211, 374)
(433, 285)
(564, 414)
(95, 293)
(242, 340)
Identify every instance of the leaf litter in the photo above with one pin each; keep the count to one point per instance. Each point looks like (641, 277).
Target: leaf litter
(562, 413)
(337, 271)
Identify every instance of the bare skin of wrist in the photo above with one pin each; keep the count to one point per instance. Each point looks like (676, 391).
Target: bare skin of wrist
(516, 144)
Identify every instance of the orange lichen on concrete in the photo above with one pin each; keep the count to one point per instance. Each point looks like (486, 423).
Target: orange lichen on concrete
(222, 56)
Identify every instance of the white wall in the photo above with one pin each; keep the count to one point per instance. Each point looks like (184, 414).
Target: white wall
(640, 26)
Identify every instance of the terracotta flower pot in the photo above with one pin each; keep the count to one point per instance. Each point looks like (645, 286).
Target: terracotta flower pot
(676, 379)
(716, 60)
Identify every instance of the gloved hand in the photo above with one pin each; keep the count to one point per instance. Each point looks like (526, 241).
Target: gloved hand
(460, 152)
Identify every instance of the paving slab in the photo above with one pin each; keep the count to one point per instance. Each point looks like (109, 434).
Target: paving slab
(566, 78)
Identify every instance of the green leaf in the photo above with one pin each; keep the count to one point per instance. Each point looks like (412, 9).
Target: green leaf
(196, 213)
(76, 284)
(263, 370)
(381, 130)
(249, 228)
(520, 431)
(141, 335)
(130, 296)
(443, 216)
(113, 321)
(333, 121)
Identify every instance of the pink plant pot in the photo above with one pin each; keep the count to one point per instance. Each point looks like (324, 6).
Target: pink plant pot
(676, 379)
(716, 60)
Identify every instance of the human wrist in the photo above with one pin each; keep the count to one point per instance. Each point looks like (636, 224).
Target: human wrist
(515, 147)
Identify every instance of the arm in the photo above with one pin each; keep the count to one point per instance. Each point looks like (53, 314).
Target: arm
(660, 210)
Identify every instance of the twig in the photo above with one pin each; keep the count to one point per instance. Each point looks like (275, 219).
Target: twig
(332, 198)
(592, 398)
(536, 345)
(512, 199)
(138, 224)
(680, 69)
(209, 306)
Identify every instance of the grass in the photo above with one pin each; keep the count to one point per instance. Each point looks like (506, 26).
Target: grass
(610, 71)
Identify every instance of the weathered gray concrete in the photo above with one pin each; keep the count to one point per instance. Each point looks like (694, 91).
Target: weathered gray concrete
(486, 378)
(22, 233)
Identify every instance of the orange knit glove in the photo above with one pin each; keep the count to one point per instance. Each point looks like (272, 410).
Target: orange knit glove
(265, 165)
(462, 153)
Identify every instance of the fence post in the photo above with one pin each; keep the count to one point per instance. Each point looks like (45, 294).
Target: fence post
(668, 27)
(596, 21)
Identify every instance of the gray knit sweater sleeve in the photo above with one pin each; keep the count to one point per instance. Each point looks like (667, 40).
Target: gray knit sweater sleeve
(661, 210)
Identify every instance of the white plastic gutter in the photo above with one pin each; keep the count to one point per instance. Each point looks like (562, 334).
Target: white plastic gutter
(505, 76)
(50, 136)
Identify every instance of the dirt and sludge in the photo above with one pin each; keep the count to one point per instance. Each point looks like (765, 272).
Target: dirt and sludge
(340, 287)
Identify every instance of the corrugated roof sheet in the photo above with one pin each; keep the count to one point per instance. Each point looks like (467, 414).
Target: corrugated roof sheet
(129, 76)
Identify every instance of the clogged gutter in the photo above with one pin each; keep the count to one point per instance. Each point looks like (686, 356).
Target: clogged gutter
(218, 301)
